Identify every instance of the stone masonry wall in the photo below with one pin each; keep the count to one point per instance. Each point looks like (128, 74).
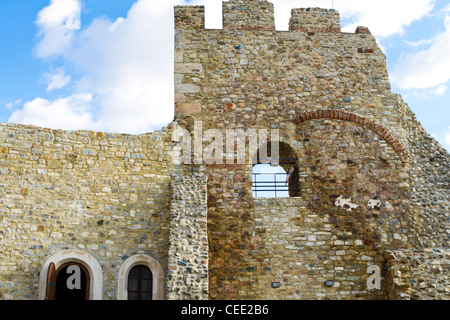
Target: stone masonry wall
(374, 184)
(188, 241)
(248, 15)
(351, 207)
(419, 274)
(304, 256)
(315, 20)
(105, 194)
(369, 170)
(430, 186)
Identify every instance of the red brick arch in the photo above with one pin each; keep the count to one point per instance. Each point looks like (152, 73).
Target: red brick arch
(382, 131)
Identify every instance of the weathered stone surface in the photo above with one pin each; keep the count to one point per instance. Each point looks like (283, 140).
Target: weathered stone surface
(419, 274)
(315, 20)
(106, 194)
(186, 108)
(188, 68)
(368, 186)
(329, 93)
(186, 88)
(188, 239)
(248, 15)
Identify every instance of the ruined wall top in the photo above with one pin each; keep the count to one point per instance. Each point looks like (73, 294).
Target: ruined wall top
(258, 15)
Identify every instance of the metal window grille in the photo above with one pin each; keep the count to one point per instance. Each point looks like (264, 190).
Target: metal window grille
(277, 184)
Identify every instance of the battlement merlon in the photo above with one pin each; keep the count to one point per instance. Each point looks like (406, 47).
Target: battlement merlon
(315, 20)
(252, 15)
(189, 17)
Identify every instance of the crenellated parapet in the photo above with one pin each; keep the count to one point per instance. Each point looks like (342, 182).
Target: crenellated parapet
(258, 15)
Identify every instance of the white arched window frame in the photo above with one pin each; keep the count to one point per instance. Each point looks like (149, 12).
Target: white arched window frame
(78, 256)
(144, 260)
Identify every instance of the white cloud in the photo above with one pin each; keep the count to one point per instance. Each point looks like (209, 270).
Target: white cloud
(446, 9)
(57, 24)
(13, 104)
(383, 17)
(440, 90)
(447, 138)
(419, 43)
(126, 67)
(65, 113)
(429, 93)
(426, 68)
(56, 80)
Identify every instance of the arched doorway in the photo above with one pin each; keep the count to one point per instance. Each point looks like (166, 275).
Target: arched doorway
(54, 275)
(71, 282)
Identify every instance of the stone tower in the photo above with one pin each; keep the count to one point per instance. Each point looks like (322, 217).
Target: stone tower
(373, 184)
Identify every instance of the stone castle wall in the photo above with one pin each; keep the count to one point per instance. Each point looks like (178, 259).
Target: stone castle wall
(104, 194)
(374, 186)
(355, 141)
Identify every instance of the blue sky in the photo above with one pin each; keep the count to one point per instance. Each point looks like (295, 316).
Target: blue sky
(106, 65)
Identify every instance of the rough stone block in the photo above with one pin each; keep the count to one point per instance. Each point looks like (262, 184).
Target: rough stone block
(186, 88)
(187, 108)
(188, 68)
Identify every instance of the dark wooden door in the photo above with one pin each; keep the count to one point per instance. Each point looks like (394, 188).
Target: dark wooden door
(51, 282)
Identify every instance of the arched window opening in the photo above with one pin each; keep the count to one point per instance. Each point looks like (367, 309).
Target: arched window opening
(140, 283)
(277, 179)
(269, 182)
(152, 279)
